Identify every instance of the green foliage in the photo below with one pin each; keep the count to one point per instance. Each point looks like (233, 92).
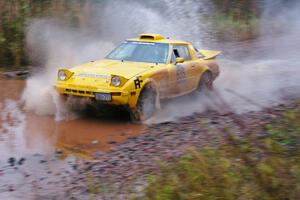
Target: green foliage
(238, 9)
(236, 19)
(229, 28)
(15, 15)
(252, 168)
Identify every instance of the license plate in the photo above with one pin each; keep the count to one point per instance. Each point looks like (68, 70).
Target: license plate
(103, 96)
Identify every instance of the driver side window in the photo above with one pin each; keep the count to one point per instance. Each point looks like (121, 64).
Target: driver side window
(180, 51)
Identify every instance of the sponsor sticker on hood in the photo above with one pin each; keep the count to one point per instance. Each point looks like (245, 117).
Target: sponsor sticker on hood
(93, 75)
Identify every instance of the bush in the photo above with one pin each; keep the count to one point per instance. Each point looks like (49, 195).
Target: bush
(228, 28)
(16, 14)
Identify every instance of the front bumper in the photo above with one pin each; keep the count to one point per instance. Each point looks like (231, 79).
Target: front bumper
(118, 96)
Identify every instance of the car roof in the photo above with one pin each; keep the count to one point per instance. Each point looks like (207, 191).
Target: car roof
(156, 38)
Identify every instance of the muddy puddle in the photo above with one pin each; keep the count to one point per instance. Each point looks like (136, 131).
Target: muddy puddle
(24, 133)
(37, 152)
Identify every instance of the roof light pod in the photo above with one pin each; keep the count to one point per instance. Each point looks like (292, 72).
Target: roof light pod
(151, 37)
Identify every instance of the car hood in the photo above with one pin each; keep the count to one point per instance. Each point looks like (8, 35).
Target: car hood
(106, 68)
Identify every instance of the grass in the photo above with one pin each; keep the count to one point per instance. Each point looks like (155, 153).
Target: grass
(264, 164)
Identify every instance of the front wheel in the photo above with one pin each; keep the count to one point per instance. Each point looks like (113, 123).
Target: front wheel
(146, 105)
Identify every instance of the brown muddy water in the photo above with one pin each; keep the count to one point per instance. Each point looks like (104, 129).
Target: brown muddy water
(34, 147)
(23, 132)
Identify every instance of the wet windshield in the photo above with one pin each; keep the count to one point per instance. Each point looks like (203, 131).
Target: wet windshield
(141, 52)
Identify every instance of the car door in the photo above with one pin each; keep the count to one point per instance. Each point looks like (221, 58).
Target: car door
(182, 76)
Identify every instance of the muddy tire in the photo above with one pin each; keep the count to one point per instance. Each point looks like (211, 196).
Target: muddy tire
(146, 105)
(205, 83)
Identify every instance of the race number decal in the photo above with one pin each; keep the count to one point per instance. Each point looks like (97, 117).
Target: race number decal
(137, 82)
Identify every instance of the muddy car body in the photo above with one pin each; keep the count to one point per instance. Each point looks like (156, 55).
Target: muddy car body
(141, 72)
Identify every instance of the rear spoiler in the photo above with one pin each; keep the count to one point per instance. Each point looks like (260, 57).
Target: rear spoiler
(209, 54)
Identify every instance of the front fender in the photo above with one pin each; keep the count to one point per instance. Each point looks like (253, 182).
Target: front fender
(137, 87)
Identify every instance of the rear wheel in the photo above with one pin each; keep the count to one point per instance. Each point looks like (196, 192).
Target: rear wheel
(205, 83)
(146, 105)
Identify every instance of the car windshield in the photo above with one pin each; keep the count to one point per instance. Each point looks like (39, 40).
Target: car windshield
(141, 52)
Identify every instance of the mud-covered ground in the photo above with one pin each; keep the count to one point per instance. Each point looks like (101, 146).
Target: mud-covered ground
(121, 172)
(124, 170)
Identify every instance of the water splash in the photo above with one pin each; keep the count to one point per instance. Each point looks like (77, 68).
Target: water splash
(13, 124)
(58, 45)
(262, 70)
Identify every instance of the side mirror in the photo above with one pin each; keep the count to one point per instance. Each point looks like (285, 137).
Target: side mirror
(179, 60)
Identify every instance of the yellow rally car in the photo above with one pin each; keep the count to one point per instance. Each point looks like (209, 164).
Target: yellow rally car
(141, 72)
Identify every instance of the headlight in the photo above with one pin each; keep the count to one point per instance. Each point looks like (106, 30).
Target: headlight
(116, 81)
(62, 75)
